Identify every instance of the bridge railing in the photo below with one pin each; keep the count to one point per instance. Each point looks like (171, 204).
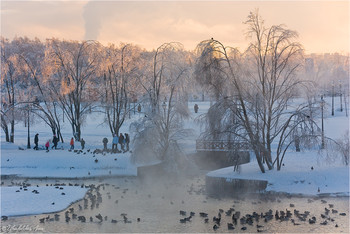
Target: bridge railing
(208, 145)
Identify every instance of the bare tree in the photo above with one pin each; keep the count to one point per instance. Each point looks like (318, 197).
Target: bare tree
(163, 123)
(35, 69)
(261, 84)
(74, 63)
(161, 66)
(8, 85)
(119, 71)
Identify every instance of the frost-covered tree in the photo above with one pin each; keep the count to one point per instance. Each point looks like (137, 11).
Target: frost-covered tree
(157, 134)
(15, 84)
(277, 57)
(158, 70)
(41, 94)
(74, 64)
(8, 89)
(260, 84)
(119, 71)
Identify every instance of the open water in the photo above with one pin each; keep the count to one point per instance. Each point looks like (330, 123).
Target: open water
(153, 205)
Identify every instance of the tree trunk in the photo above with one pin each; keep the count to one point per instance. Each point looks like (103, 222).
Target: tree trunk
(59, 134)
(258, 157)
(5, 128)
(12, 135)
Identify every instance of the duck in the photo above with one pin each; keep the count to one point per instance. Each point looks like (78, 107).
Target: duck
(230, 226)
(202, 214)
(99, 217)
(311, 221)
(82, 218)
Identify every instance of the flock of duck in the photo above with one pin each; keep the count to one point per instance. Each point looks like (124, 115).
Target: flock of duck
(235, 218)
(223, 219)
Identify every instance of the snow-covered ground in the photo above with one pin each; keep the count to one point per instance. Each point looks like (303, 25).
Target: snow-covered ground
(16, 200)
(63, 163)
(329, 174)
(295, 177)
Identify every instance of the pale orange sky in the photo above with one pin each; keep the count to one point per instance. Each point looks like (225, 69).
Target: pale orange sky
(323, 26)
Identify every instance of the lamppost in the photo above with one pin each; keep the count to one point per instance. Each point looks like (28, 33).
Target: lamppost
(322, 137)
(28, 123)
(340, 95)
(332, 98)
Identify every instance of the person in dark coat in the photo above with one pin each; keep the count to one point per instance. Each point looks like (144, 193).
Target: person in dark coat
(196, 108)
(139, 108)
(121, 141)
(54, 141)
(105, 141)
(36, 141)
(127, 141)
(82, 142)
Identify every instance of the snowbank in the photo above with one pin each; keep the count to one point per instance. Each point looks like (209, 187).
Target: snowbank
(64, 164)
(301, 174)
(308, 172)
(23, 201)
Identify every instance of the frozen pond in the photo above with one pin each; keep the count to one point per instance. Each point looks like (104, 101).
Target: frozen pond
(132, 204)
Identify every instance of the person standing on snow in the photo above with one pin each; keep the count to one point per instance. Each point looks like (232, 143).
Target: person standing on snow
(139, 108)
(47, 145)
(82, 142)
(72, 143)
(196, 108)
(115, 143)
(105, 141)
(127, 141)
(54, 141)
(121, 141)
(36, 141)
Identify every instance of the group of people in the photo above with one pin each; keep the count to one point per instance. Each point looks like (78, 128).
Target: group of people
(47, 144)
(122, 140)
(71, 143)
(55, 141)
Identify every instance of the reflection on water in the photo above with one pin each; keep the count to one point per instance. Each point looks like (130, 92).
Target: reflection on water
(135, 205)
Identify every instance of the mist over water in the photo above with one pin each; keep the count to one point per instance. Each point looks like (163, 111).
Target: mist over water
(153, 203)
